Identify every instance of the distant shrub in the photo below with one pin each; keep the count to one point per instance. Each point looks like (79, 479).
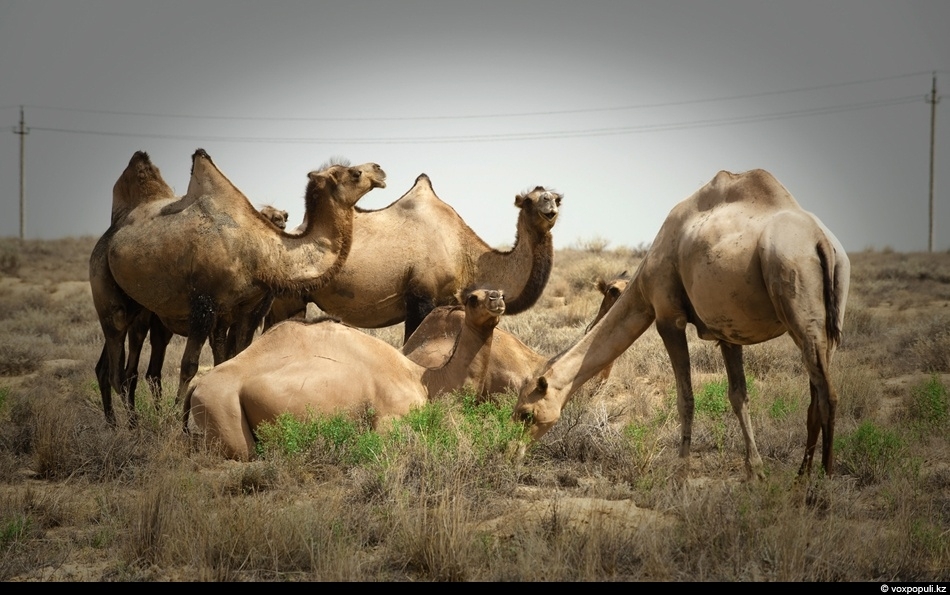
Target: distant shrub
(9, 259)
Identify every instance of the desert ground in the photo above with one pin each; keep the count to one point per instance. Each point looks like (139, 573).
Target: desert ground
(602, 496)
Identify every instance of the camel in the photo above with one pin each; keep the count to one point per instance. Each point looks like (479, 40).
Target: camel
(121, 318)
(276, 216)
(611, 290)
(511, 362)
(207, 264)
(327, 367)
(742, 262)
(417, 253)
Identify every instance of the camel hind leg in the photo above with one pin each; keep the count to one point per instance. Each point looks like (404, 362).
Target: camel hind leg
(797, 277)
(739, 398)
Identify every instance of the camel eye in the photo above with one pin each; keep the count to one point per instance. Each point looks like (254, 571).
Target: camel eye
(614, 292)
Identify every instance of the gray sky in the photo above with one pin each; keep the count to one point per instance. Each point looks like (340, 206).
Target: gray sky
(625, 107)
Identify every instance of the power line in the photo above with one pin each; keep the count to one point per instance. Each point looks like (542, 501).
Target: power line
(489, 116)
(517, 136)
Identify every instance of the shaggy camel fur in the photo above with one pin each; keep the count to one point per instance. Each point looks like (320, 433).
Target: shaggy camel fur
(209, 261)
(326, 367)
(743, 263)
(417, 254)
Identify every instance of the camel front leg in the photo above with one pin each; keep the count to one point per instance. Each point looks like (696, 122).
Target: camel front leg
(674, 338)
(738, 396)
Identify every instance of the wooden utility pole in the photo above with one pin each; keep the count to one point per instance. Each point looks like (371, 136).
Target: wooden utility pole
(933, 119)
(22, 130)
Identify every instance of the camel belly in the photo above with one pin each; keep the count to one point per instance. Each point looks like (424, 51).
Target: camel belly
(731, 305)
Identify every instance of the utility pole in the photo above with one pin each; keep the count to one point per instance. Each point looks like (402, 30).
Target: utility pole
(933, 118)
(22, 130)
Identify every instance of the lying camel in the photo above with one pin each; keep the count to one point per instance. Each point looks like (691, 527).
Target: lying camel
(511, 362)
(417, 254)
(326, 367)
(742, 262)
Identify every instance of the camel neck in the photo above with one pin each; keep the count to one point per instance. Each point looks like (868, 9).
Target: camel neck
(522, 272)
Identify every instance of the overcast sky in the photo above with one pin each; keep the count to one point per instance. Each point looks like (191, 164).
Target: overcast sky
(626, 107)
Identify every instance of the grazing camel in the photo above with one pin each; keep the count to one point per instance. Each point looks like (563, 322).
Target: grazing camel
(742, 262)
(611, 290)
(417, 254)
(207, 264)
(326, 367)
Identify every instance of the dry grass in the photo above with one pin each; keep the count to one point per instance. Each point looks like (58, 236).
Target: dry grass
(601, 497)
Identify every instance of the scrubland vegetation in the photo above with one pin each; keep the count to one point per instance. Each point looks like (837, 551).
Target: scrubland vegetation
(445, 496)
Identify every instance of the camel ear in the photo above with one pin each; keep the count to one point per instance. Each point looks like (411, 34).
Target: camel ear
(601, 286)
(542, 386)
(519, 200)
(319, 179)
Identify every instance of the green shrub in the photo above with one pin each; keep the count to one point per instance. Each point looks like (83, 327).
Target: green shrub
(712, 399)
(871, 453)
(930, 404)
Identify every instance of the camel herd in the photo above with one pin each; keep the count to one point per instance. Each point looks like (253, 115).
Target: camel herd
(739, 259)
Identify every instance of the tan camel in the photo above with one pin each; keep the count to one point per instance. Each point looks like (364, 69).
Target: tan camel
(511, 363)
(276, 216)
(417, 254)
(611, 290)
(327, 367)
(743, 263)
(208, 261)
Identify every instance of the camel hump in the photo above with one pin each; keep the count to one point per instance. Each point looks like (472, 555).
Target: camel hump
(756, 186)
(423, 180)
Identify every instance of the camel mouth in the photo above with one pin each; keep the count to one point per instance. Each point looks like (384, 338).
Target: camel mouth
(550, 215)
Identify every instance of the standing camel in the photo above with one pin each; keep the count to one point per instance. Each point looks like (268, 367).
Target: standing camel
(326, 367)
(208, 261)
(742, 262)
(418, 253)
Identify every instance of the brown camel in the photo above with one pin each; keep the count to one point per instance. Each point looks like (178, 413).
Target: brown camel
(743, 263)
(327, 367)
(417, 254)
(121, 318)
(611, 290)
(208, 261)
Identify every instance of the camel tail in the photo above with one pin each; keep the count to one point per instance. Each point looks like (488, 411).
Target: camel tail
(833, 314)
(186, 409)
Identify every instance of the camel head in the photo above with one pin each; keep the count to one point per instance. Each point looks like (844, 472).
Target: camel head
(276, 216)
(611, 290)
(140, 182)
(540, 206)
(484, 308)
(539, 406)
(346, 184)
